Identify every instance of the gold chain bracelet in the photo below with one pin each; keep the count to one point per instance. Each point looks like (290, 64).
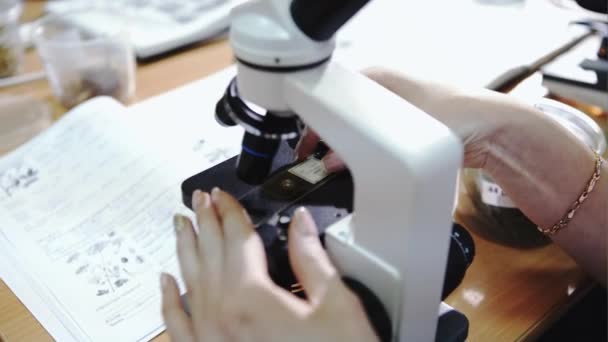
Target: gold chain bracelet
(579, 201)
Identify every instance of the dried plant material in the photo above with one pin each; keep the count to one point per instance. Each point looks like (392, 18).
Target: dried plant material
(9, 62)
(508, 226)
(98, 81)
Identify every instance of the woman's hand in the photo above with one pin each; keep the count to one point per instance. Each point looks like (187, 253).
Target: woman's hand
(542, 166)
(231, 295)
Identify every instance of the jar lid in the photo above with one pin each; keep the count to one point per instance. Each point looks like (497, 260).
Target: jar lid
(577, 122)
(21, 118)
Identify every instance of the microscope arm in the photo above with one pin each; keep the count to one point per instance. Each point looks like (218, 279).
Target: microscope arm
(404, 165)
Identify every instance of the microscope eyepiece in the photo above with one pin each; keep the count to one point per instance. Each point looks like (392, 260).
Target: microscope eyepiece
(320, 19)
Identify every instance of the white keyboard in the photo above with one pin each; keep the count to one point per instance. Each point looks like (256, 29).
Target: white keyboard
(155, 26)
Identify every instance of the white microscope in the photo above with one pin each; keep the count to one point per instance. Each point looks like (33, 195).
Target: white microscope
(403, 162)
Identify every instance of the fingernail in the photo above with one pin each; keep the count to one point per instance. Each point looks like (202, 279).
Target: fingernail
(179, 223)
(164, 281)
(215, 194)
(304, 224)
(203, 200)
(196, 198)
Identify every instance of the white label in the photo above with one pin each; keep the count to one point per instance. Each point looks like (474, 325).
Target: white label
(492, 194)
(311, 170)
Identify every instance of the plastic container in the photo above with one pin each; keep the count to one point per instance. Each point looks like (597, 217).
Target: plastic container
(501, 220)
(11, 49)
(80, 65)
(21, 118)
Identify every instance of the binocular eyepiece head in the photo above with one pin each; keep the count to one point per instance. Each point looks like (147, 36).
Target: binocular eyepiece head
(264, 131)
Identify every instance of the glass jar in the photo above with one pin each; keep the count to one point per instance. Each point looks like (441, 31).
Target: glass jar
(501, 220)
(11, 49)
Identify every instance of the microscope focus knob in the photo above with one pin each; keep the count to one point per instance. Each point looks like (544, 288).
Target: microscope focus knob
(375, 311)
(460, 256)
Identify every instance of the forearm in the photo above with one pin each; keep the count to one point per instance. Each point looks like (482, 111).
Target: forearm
(544, 169)
(542, 166)
(471, 114)
(535, 160)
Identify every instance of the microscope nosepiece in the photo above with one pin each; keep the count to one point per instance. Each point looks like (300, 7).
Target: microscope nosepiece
(264, 131)
(222, 113)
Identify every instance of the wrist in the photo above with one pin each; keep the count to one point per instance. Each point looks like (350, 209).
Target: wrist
(532, 158)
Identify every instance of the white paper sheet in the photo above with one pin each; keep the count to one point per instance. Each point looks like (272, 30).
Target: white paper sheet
(23, 286)
(71, 202)
(463, 42)
(86, 208)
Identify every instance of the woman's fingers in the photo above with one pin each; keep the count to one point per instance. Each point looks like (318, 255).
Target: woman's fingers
(333, 163)
(210, 245)
(243, 248)
(307, 144)
(308, 258)
(187, 250)
(189, 264)
(179, 325)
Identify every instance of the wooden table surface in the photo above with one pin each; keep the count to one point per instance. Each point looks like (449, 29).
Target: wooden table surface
(508, 294)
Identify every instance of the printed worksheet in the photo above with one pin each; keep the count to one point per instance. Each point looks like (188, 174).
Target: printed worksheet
(86, 212)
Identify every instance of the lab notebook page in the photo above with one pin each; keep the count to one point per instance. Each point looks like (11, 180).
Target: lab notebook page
(86, 210)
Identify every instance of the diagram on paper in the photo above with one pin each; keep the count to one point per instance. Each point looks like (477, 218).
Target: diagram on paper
(17, 178)
(107, 265)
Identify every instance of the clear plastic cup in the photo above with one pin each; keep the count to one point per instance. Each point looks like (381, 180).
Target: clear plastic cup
(81, 65)
(11, 49)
